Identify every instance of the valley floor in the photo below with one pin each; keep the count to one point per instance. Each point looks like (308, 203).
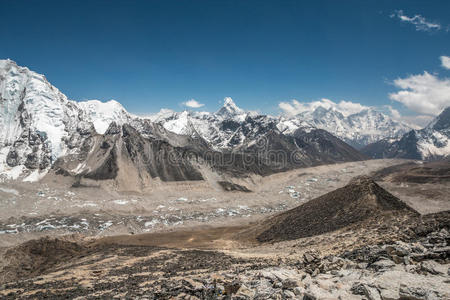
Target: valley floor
(29, 210)
(183, 240)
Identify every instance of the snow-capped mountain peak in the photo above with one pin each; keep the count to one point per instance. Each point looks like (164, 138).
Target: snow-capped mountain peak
(357, 129)
(431, 142)
(35, 120)
(441, 122)
(230, 109)
(101, 114)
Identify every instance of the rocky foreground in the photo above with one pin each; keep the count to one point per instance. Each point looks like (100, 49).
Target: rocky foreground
(413, 263)
(357, 242)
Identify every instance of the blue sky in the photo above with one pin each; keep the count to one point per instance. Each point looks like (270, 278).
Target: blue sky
(154, 54)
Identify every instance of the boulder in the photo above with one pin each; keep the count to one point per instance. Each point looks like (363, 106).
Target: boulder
(417, 293)
(383, 264)
(432, 267)
(244, 293)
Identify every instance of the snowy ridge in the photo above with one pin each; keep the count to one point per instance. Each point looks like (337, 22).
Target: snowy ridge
(358, 129)
(101, 114)
(432, 142)
(35, 119)
(39, 124)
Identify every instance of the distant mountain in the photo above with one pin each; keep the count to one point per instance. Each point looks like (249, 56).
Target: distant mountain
(359, 129)
(432, 142)
(224, 129)
(41, 131)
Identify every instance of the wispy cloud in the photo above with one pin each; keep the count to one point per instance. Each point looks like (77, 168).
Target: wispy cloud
(193, 104)
(418, 21)
(445, 61)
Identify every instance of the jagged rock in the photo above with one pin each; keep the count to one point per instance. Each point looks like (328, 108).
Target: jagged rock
(32, 161)
(192, 284)
(298, 291)
(232, 287)
(12, 159)
(288, 294)
(371, 292)
(245, 293)
(397, 259)
(389, 294)
(399, 249)
(279, 275)
(309, 257)
(433, 267)
(290, 283)
(383, 264)
(417, 293)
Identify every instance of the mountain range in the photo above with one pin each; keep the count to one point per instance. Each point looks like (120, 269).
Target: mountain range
(42, 131)
(429, 143)
(222, 128)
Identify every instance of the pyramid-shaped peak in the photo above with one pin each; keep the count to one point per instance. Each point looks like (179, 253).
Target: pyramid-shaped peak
(229, 108)
(442, 122)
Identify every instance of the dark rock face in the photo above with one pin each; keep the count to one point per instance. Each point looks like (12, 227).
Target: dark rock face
(32, 161)
(230, 186)
(361, 199)
(443, 120)
(280, 152)
(126, 146)
(107, 169)
(326, 147)
(12, 159)
(406, 148)
(157, 157)
(154, 153)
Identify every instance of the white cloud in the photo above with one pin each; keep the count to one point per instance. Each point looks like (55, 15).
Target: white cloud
(395, 114)
(445, 61)
(414, 121)
(417, 121)
(345, 107)
(193, 104)
(418, 21)
(424, 93)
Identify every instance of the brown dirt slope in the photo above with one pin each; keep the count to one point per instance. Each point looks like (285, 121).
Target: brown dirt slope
(35, 257)
(360, 200)
(429, 172)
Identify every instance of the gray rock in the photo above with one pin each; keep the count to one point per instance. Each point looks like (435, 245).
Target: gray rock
(290, 283)
(371, 292)
(277, 285)
(308, 257)
(12, 159)
(288, 294)
(299, 291)
(245, 293)
(383, 264)
(433, 267)
(389, 294)
(417, 293)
